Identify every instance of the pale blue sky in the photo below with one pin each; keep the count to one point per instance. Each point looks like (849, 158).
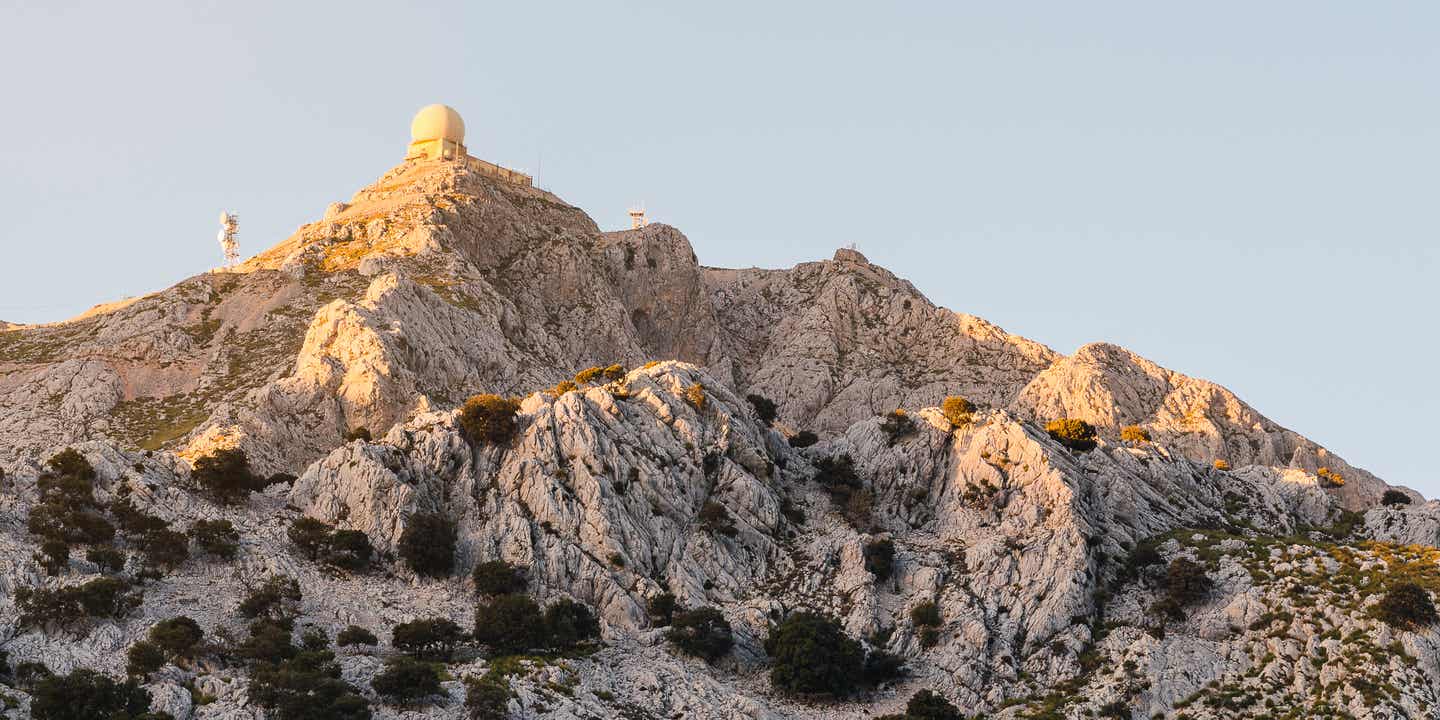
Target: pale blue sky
(1241, 191)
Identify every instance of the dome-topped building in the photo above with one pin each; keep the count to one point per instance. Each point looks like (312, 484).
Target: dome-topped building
(438, 133)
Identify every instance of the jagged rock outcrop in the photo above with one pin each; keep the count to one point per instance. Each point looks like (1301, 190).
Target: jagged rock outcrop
(1044, 563)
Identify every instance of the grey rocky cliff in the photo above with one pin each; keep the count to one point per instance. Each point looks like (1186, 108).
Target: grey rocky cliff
(436, 283)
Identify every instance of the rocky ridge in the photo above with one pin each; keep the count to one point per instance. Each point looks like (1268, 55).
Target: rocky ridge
(436, 283)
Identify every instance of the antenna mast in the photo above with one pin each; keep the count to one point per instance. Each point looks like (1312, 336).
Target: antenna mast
(229, 228)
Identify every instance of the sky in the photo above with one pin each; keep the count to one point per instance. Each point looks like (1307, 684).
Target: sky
(1240, 191)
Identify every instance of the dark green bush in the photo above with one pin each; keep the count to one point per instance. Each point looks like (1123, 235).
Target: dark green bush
(509, 624)
(716, 519)
(268, 642)
(702, 632)
(1185, 584)
(406, 681)
(569, 623)
(216, 537)
(1072, 433)
(54, 520)
(428, 544)
(164, 549)
(487, 699)
(957, 410)
(490, 419)
(109, 560)
(930, 705)
(348, 550)
(880, 558)
(143, 658)
(87, 695)
(803, 439)
(306, 686)
(177, 637)
(926, 614)
(277, 599)
(896, 425)
(1394, 497)
(133, 522)
(1407, 606)
(434, 638)
(811, 654)
(54, 556)
(225, 476)
(661, 609)
(359, 433)
(764, 408)
(356, 635)
(309, 536)
(28, 674)
(498, 577)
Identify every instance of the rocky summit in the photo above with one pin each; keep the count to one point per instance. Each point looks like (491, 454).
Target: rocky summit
(452, 451)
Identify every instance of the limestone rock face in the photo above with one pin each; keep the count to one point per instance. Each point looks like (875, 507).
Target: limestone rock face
(1047, 567)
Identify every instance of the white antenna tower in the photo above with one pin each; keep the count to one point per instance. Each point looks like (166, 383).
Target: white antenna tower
(229, 228)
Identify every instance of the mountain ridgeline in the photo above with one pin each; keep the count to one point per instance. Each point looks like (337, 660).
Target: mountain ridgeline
(454, 450)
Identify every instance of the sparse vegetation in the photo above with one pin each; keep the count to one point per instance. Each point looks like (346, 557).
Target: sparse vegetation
(1394, 497)
(1329, 478)
(695, 395)
(702, 632)
(957, 410)
(406, 681)
(433, 638)
(509, 624)
(925, 614)
(716, 519)
(1221, 465)
(1072, 433)
(277, 600)
(661, 609)
(1185, 584)
(896, 425)
(428, 544)
(1134, 434)
(216, 537)
(106, 598)
(226, 477)
(85, 694)
(1407, 606)
(356, 635)
(803, 439)
(764, 408)
(811, 654)
(880, 558)
(498, 577)
(490, 419)
(359, 433)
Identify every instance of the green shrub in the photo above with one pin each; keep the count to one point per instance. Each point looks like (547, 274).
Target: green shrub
(957, 410)
(106, 597)
(1329, 478)
(498, 577)
(269, 642)
(27, 675)
(1185, 584)
(306, 686)
(1407, 606)
(847, 493)
(1221, 464)
(588, 375)
(356, 635)
(926, 614)
(277, 599)
(509, 624)
(70, 463)
(109, 560)
(434, 638)
(702, 632)
(309, 536)
(569, 623)
(880, 558)
(490, 419)
(143, 658)
(85, 695)
(134, 523)
(225, 476)
(1072, 433)
(216, 537)
(406, 681)
(1134, 434)
(803, 439)
(348, 550)
(930, 705)
(359, 433)
(164, 549)
(614, 372)
(1394, 497)
(54, 556)
(487, 699)
(764, 408)
(695, 395)
(55, 520)
(661, 609)
(428, 544)
(716, 519)
(177, 636)
(896, 424)
(811, 654)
